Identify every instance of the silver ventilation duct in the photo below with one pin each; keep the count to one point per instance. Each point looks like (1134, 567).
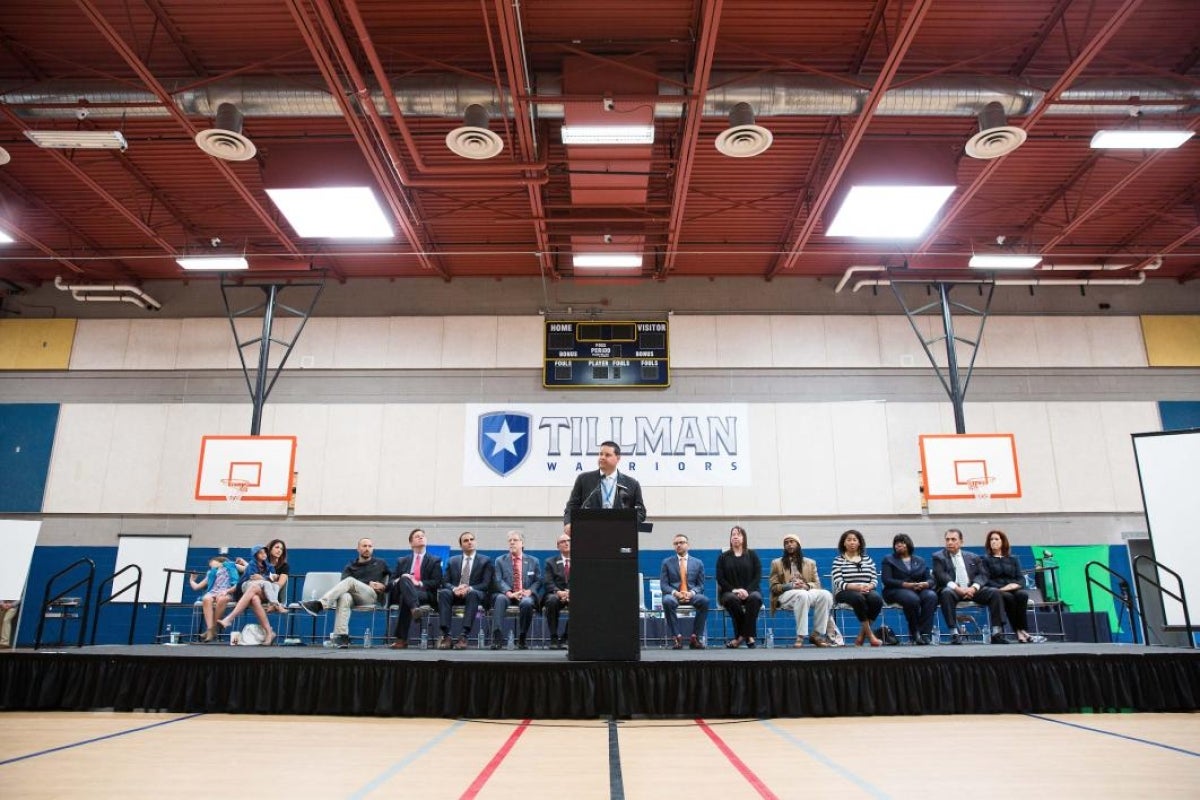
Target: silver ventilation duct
(449, 96)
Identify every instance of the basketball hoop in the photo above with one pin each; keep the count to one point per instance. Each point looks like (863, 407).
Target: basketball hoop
(981, 487)
(234, 489)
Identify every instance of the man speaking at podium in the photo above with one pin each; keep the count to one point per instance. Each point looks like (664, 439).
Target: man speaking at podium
(605, 488)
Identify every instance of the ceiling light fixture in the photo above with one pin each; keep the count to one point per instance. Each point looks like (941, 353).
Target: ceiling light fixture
(78, 140)
(1004, 261)
(1139, 139)
(344, 212)
(888, 212)
(608, 134)
(607, 261)
(213, 263)
(5, 238)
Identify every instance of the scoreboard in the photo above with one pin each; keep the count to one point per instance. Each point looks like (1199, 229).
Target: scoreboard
(597, 355)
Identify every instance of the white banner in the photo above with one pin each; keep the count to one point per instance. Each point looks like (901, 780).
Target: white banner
(662, 444)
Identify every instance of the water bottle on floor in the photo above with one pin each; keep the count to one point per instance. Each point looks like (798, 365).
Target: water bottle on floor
(770, 638)
(367, 639)
(480, 640)
(511, 644)
(170, 634)
(424, 639)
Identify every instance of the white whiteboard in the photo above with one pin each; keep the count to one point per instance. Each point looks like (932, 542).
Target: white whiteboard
(17, 540)
(1169, 469)
(152, 554)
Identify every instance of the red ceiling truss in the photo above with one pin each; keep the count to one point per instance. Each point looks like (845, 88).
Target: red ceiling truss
(389, 81)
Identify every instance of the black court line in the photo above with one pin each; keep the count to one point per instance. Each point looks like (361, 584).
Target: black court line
(1117, 735)
(616, 784)
(99, 739)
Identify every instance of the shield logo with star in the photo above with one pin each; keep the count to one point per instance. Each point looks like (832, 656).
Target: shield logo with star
(504, 440)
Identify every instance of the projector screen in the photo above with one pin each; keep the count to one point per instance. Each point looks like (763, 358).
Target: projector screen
(1169, 469)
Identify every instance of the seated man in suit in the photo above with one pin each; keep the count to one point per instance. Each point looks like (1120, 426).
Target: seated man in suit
(682, 581)
(415, 583)
(557, 589)
(468, 580)
(518, 581)
(956, 576)
(605, 488)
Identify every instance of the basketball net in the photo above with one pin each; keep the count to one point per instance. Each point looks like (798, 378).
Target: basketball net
(234, 489)
(982, 489)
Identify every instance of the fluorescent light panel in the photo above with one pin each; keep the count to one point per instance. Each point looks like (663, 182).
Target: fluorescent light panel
(607, 261)
(608, 134)
(346, 212)
(78, 140)
(5, 238)
(223, 263)
(1003, 261)
(1139, 139)
(888, 212)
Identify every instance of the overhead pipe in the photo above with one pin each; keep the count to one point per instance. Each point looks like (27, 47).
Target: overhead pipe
(110, 293)
(389, 97)
(1138, 281)
(448, 96)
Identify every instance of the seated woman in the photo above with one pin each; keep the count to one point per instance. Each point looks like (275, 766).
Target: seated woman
(908, 582)
(260, 586)
(220, 580)
(739, 585)
(795, 586)
(1002, 572)
(854, 581)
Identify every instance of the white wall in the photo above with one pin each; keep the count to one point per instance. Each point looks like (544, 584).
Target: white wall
(810, 459)
(707, 341)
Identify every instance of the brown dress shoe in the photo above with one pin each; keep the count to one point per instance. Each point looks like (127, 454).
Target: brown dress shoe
(461, 644)
(399, 644)
(444, 643)
(677, 643)
(818, 640)
(695, 643)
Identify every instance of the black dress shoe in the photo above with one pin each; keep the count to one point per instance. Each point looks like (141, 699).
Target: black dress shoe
(957, 638)
(521, 644)
(998, 638)
(554, 643)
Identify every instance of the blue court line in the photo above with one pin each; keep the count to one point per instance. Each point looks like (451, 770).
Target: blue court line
(862, 783)
(393, 770)
(1116, 735)
(99, 739)
(616, 784)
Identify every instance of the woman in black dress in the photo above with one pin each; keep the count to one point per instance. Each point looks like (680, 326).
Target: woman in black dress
(739, 584)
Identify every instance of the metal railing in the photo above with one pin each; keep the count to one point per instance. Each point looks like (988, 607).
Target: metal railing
(1123, 598)
(48, 601)
(102, 602)
(1181, 598)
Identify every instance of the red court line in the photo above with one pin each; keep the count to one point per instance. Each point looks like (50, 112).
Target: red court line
(738, 764)
(501, 754)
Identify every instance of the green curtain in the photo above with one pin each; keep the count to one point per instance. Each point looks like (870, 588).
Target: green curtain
(1072, 587)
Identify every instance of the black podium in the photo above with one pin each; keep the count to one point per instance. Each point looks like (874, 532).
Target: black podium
(604, 585)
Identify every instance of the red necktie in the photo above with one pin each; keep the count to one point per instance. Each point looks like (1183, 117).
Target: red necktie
(517, 574)
(416, 568)
(683, 574)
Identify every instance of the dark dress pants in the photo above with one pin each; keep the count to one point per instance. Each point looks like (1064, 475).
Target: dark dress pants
(743, 613)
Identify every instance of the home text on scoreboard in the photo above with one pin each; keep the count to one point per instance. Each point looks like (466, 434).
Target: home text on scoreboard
(596, 355)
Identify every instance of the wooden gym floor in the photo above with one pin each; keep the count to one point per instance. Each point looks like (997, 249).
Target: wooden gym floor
(104, 754)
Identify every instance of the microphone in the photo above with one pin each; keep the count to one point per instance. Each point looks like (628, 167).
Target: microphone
(591, 494)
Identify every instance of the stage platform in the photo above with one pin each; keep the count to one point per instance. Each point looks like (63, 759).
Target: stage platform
(543, 684)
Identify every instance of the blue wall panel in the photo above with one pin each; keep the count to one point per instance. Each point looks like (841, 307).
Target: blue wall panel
(26, 438)
(1179, 415)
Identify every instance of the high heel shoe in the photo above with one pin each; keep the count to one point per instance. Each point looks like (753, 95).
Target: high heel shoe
(858, 640)
(209, 635)
(270, 638)
(734, 643)
(876, 641)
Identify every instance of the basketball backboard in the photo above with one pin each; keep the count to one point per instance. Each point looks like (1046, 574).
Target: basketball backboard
(955, 466)
(263, 465)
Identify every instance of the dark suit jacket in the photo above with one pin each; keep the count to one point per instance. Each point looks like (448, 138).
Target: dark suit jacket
(531, 572)
(431, 571)
(556, 575)
(668, 577)
(943, 569)
(480, 579)
(586, 493)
